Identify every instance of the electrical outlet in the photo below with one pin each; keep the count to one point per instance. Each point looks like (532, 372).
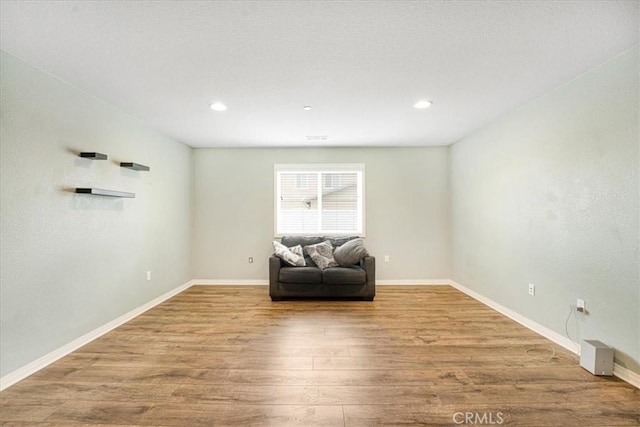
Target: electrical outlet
(386, 258)
(580, 306)
(532, 289)
(250, 260)
(149, 275)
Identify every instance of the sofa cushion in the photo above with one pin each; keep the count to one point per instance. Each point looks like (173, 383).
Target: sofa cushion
(338, 241)
(344, 276)
(300, 275)
(321, 254)
(350, 253)
(301, 240)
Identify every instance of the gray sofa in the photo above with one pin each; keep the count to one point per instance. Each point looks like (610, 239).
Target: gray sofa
(355, 282)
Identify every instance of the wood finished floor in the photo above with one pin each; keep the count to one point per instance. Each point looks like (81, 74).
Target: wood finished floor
(228, 356)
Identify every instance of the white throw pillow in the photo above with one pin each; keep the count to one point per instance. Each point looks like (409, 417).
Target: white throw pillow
(292, 256)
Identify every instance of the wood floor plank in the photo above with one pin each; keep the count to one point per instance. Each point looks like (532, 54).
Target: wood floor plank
(358, 377)
(27, 410)
(228, 356)
(209, 414)
(429, 362)
(67, 390)
(538, 393)
(101, 412)
(207, 362)
(527, 414)
(301, 395)
(396, 415)
(106, 374)
(528, 375)
(226, 349)
(438, 350)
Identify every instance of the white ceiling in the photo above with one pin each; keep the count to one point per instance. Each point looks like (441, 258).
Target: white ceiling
(360, 65)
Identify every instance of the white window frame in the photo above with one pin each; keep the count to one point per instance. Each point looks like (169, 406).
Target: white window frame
(357, 168)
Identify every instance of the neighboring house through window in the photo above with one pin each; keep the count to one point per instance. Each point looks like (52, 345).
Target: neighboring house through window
(302, 181)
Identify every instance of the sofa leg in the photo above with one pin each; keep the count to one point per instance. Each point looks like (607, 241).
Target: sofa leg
(274, 298)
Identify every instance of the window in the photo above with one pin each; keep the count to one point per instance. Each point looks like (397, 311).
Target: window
(302, 181)
(332, 180)
(314, 199)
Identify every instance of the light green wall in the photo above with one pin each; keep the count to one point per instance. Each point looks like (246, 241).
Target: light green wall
(71, 263)
(407, 209)
(549, 194)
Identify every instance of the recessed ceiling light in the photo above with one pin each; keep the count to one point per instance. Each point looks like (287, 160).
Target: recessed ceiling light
(306, 108)
(317, 137)
(421, 105)
(218, 106)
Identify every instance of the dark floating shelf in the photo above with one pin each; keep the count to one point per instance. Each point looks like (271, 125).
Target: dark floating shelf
(134, 166)
(109, 193)
(93, 156)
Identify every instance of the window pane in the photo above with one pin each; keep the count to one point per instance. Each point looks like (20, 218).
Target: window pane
(340, 202)
(298, 203)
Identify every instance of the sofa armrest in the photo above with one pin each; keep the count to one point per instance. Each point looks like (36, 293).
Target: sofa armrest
(274, 275)
(369, 266)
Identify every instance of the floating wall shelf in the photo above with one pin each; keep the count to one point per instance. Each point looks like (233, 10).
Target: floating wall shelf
(93, 156)
(101, 192)
(134, 166)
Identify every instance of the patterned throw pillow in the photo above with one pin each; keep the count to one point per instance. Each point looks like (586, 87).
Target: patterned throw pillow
(292, 256)
(322, 254)
(350, 253)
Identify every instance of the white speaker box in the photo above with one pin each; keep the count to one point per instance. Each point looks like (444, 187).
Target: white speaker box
(596, 357)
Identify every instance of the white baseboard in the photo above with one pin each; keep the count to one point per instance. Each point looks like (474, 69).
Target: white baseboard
(247, 282)
(229, 282)
(413, 282)
(31, 368)
(618, 370)
(535, 327)
(626, 375)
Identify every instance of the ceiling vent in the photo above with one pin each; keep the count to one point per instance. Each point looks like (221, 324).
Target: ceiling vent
(314, 138)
